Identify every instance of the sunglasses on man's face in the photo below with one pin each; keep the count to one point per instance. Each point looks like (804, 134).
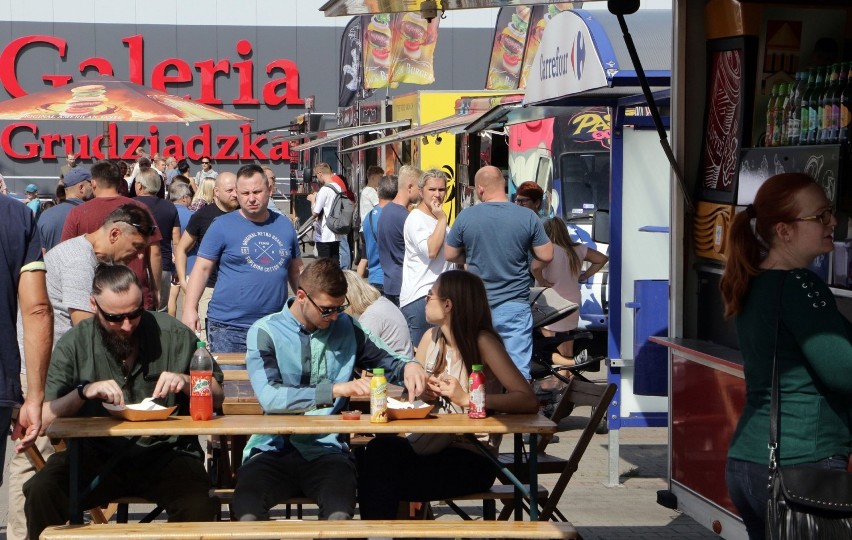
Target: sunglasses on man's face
(326, 312)
(119, 317)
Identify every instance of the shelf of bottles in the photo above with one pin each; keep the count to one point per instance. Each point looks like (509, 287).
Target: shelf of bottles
(812, 109)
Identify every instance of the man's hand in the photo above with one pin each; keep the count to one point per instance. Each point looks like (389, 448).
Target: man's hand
(353, 388)
(415, 379)
(107, 391)
(28, 426)
(190, 318)
(170, 383)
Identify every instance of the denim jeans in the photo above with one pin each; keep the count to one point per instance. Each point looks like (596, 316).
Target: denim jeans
(328, 250)
(345, 253)
(513, 321)
(415, 316)
(225, 337)
(748, 485)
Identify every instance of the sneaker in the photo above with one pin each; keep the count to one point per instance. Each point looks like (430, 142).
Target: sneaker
(583, 359)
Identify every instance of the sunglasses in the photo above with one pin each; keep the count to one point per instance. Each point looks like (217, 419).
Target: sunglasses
(119, 317)
(145, 231)
(205, 163)
(326, 312)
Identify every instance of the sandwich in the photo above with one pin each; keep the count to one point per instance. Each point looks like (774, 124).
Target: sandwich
(379, 39)
(512, 40)
(414, 29)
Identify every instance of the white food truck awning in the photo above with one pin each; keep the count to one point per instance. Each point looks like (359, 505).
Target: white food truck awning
(474, 109)
(333, 135)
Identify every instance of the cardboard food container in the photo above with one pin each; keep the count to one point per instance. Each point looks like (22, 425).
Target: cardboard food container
(403, 410)
(140, 412)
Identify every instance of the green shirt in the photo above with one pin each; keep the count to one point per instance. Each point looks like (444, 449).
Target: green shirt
(165, 344)
(815, 363)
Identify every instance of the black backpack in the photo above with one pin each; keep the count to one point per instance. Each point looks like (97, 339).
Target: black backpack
(340, 217)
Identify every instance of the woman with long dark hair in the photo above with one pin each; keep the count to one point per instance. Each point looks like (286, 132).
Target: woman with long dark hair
(769, 291)
(424, 468)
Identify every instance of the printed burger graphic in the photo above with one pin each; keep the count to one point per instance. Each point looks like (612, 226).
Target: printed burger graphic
(414, 29)
(399, 48)
(379, 40)
(507, 52)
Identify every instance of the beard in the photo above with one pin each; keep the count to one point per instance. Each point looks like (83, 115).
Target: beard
(117, 346)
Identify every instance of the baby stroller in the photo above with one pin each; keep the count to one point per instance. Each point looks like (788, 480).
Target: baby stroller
(549, 381)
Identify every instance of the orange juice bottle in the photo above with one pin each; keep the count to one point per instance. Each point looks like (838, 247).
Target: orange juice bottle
(378, 396)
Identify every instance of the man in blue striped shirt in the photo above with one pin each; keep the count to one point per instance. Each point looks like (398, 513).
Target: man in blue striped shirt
(302, 360)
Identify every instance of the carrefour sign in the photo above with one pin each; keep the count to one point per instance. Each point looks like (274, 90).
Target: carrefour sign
(566, 62)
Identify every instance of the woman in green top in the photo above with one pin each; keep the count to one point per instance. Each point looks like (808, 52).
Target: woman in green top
(771, 245)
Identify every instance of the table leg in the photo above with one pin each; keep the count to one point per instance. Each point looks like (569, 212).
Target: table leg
(75, 502)
(519, 451)
(533, 459)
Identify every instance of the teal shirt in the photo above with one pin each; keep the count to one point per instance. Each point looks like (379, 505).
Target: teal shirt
(815, 362)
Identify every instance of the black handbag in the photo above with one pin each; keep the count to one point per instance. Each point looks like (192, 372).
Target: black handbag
(805, 503)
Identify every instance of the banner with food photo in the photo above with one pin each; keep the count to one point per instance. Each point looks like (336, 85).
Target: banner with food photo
(399, 48)
(539, 18)
(507, 52)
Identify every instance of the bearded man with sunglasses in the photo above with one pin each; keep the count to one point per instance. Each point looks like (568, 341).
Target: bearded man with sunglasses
(121, 356)
(302, 360)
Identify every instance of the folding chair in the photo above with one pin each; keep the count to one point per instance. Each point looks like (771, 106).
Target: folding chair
(578, 393)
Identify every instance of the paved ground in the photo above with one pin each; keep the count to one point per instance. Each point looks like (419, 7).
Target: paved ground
(629, 511)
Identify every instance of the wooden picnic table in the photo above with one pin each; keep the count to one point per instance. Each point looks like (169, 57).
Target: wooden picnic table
(72, 429)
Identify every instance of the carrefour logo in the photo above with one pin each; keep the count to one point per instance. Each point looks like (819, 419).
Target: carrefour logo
(558, 65)
(578, 55)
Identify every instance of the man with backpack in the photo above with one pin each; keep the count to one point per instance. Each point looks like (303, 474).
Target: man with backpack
(333, 209)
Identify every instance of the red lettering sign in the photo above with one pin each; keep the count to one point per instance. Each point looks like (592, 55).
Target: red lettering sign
(21, 140)
(283, 89)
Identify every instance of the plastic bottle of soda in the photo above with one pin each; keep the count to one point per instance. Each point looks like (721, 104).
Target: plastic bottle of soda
(200, 380)
(476, 390)
(378, 397)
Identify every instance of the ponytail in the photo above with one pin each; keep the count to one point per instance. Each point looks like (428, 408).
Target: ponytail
(752, 233)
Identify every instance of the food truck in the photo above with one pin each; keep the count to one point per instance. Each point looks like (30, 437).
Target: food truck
(747, 49)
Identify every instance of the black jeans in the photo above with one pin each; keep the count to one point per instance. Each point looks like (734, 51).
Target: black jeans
(748, 485)
(329, 250)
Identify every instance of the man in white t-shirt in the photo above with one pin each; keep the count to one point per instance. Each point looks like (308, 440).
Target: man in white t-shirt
(424, 232)
(327, 242)
(366, 202)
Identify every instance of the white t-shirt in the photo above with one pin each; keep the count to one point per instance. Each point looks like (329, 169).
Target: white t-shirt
(368, 200)
(418, 271)
(322, 205)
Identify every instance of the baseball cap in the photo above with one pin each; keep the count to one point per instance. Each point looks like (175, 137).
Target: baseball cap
(32, 188)
(75, 176)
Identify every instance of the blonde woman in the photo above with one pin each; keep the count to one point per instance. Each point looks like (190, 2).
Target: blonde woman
(204, 195)
(377, 314)
(565, 273)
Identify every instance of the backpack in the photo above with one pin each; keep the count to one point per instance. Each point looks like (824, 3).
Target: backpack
(340, 218)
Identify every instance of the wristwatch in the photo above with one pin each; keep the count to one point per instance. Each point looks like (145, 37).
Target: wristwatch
(80, 388)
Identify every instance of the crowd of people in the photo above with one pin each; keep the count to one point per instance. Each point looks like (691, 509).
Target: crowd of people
(99, 277)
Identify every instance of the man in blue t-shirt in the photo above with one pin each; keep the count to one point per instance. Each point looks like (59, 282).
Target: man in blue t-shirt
(257, 253)
(390, 239)
(503, 265)
(386, 190)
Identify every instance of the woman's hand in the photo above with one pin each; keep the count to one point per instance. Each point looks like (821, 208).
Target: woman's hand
(449, 387)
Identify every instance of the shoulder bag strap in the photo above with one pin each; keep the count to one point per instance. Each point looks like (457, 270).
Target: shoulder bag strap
(774, 404)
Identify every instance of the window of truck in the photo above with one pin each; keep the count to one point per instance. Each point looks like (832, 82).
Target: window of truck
(585, 183)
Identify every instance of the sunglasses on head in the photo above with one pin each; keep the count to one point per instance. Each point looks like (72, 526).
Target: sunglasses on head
(326, 312)
(119, 317)
(146, 231)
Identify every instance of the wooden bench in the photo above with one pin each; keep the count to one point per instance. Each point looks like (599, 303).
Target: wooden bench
(315, 529)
